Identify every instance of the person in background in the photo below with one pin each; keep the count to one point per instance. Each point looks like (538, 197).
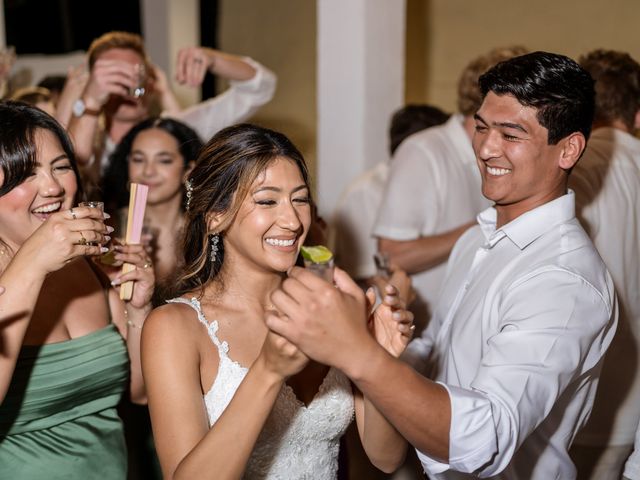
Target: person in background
(159, 153)
(433, 192)
(229, 399)
(358, 206)
(69, 346)
(37, 96)
(526, 312)
(122, 78)
(606, 182)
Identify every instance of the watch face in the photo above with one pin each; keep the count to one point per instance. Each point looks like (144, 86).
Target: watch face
(78, 108)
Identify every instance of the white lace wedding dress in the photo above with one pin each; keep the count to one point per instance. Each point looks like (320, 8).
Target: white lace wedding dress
(297, 441)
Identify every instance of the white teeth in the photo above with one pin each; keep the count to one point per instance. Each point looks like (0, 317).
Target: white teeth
(280, 243)
(52, 207)
(498, 171)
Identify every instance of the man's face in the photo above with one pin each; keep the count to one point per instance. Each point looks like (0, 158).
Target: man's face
(520, 170)
(126, 109)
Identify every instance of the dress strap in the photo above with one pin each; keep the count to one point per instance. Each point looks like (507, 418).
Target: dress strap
(212, 327)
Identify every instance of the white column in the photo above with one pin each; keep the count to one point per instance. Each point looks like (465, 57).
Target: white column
(167, 26)
(360, 84)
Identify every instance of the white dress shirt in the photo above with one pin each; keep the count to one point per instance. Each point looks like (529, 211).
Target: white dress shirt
(526, 314)
(434, 186)
(607, 186)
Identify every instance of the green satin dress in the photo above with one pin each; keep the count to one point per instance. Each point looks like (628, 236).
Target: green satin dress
(59, 420)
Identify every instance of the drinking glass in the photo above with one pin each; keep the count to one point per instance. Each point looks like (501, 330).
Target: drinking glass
(323, 270)
(93, 204)
(139, 89)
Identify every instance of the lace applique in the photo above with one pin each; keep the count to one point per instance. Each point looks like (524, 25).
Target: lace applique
(297, 441)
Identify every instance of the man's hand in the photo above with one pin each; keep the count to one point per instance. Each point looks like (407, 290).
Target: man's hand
(328, 324)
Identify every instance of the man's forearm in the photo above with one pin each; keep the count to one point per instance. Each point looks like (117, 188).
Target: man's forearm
(422, 253)
(417, 407)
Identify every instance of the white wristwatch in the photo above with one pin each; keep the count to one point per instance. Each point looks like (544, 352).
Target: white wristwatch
(80, 108)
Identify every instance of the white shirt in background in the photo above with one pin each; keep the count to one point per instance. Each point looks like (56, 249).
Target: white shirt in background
(353, 220)
(518, 336)
(434, 186)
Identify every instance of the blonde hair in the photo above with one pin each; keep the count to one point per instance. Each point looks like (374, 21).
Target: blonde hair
(469, 95)
(117, 39)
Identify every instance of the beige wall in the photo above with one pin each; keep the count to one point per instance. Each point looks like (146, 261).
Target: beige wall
(443, 35)
(281, 34)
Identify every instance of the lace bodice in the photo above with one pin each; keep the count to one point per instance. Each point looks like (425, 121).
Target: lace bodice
(297, 441)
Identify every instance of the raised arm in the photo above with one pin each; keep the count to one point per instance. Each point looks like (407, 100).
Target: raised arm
(51, 247)
(251, 85)
(186, 446)
(130, 315)
(391, 325)
(107, 77)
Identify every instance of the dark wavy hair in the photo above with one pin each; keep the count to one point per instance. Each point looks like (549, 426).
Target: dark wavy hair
(224, 172)
(19, 123)
(556, 86)
(115, 183)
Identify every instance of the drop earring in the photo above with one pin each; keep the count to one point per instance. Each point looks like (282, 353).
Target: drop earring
(215, 238)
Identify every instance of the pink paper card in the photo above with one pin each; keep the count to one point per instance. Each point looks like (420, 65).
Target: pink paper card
(135, 221)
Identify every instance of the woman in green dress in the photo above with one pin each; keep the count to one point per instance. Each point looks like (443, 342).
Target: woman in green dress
(69, 347)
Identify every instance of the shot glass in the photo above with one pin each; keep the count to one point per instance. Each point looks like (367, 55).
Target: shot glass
(323, 270)
(139, 89)
(92, 204)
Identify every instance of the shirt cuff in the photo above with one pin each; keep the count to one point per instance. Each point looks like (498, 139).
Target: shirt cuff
(254, 83)
(472, 437)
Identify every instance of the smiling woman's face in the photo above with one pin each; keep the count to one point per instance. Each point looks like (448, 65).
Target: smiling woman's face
(273, 220)
(51, 187)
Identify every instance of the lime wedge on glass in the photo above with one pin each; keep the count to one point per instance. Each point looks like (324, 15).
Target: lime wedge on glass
(316, 254)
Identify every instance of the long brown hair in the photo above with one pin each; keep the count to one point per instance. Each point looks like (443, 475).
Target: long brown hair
(225, 170)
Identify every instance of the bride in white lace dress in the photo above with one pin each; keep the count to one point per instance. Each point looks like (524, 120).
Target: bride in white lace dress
(228, 398)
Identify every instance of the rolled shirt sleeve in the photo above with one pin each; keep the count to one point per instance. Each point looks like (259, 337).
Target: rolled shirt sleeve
(553, 326)
(236, 104)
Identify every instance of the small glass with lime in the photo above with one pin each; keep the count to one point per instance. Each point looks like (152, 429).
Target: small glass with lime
(318, 259)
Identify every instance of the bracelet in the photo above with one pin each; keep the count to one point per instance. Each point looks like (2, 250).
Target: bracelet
(131, 324)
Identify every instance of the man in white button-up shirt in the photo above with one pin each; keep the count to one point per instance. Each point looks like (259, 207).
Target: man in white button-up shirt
(527, 309)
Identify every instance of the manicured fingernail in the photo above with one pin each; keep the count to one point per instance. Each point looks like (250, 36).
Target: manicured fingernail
(110, 229)
(115, 282)
(105, 215)
(104, 249)
(107, 238)
(397, 315)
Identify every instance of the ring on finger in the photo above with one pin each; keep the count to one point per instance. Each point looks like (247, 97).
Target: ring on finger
(147, 265)
(73, 214)
(83, 241)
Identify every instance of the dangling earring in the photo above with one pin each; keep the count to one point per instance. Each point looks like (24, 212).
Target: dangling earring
(215, 238)
(188, 185)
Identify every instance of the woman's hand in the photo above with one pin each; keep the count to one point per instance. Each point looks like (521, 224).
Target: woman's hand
(143, 274)
(65, 236)
(391, 323)
(280, 356)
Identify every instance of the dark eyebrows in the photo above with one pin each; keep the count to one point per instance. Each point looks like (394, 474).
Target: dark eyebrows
(277, 190)
(515, 126)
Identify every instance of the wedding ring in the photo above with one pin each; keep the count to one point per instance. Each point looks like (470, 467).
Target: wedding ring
(83, 241)
(73, 214)
(147, 265)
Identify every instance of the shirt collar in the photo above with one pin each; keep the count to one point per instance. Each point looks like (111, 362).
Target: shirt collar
(530, 225)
